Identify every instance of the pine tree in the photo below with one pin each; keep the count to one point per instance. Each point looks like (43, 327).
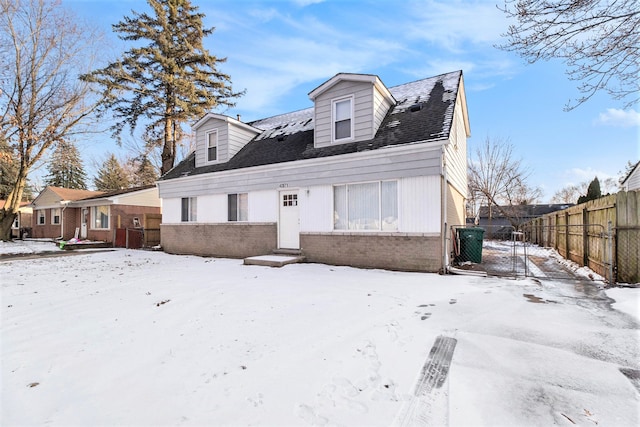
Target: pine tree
(145, 172)
(66, 168)
(593, 192)
(111, 176)
(170, 80)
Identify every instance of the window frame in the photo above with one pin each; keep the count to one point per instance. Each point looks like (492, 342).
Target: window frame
(191, 213)
(347, 220)
(241, 201)
(56, 219)
(208, 147)
(334, 119)
(41, 217)
(94, 217)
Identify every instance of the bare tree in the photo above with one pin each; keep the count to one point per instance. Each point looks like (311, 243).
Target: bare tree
(568, 194)
(42, 101)
(498, 179)
(597, 39)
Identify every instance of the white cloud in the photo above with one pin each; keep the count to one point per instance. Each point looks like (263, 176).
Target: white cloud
(619, 118)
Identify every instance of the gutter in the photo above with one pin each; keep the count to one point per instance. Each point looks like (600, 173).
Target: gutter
(445, 255)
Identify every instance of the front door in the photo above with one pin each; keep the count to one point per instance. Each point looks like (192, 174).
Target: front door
(83, 223)
(289, 230)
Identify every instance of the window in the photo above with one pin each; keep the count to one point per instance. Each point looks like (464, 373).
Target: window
(238, 208)
(342, 119)
(368, 206)
(212, 146)
(55, 216)
(100, 217)
(189, 209)
(41, 220)
(16, 222)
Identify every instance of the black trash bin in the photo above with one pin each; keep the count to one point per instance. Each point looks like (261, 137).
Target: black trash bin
(470, 244)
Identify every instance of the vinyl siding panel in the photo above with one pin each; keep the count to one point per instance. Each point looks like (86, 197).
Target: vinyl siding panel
(380, 108)
(238, 138)
(633, 183)
(142, 198)
(420, 205)
(171, 210)
(383, 164)
(316, 208)
(211, 209)
(263, 206)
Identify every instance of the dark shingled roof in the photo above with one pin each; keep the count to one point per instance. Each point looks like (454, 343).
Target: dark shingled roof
(423, 113)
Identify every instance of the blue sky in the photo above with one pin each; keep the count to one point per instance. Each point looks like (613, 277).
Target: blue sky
(281, 50)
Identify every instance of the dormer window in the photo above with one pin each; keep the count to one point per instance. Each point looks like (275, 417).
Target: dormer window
(212, 146)
(342, 119)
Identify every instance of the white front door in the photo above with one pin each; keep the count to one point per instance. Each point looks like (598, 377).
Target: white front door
(83, 223)
(289, 237)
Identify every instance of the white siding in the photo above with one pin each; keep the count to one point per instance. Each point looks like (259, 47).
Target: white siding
(263, 206)
(393, 163)
(171, 210)
(420, 204)
(211, 208)
(381, 106)
(362, 111)
(316, 208)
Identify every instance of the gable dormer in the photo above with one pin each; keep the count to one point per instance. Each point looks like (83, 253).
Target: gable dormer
(219, 138)
(349, 108)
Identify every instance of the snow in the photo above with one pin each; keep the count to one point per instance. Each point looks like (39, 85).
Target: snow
(146, 338)
(28, 247)
(627, 300)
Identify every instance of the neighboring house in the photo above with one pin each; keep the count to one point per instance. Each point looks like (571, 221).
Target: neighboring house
(92, 215)
(52, 217)
(632, 180)
(368, 177)
(500, 222)
(101, 215)
(21, 226)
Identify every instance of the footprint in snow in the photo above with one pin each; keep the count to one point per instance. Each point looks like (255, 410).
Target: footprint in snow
(307, 413)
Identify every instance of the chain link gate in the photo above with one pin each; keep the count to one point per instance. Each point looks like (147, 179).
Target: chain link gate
(544, 252)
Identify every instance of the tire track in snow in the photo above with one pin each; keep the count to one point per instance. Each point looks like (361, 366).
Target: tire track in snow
(428, 405)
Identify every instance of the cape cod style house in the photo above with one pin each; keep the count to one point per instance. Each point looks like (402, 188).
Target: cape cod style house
(369, 176)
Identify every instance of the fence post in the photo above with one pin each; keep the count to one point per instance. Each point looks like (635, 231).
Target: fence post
(610, 237)
(585, 237)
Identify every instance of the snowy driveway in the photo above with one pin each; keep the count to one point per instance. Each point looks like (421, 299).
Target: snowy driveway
(142, 338)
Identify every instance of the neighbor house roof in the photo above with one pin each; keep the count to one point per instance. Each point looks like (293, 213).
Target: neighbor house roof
(107, 194)
(423, 113)
(73, 194)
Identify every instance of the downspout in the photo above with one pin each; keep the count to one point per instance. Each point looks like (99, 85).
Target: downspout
(445, 256)
(64, 206)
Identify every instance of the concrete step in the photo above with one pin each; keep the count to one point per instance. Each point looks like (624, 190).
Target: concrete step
(292, 252)
(275, 260)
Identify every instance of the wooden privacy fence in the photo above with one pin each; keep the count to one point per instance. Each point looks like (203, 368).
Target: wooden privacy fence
(602, 234)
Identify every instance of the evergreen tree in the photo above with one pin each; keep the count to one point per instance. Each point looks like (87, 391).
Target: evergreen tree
(111, 176)
(66, 168)
(145, 172)
(593, 192)
(170, 80)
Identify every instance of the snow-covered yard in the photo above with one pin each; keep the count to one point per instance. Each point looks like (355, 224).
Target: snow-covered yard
(146, 338)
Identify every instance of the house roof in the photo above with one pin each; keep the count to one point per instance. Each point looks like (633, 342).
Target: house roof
(51, 193)
(423, 113)
(22, 204)
(523, 211)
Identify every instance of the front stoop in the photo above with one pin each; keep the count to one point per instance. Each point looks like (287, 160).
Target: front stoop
(273, 260)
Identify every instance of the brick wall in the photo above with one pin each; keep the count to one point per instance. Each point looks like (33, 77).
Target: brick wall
(398, 251)
(232, 240)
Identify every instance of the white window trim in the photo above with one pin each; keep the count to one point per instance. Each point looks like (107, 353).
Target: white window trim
(206, 149)
(53, 215)
(93, 218)
(43, 215)
(333, 119)
(378, 230)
